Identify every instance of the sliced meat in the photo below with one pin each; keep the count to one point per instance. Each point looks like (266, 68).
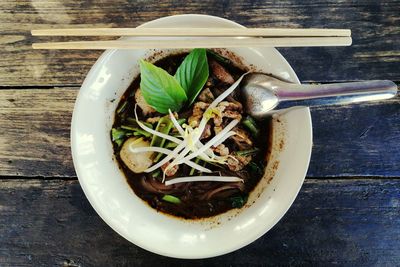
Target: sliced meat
(237, 162)
(226, 109)
(153, 119)
(207, 132)
(221, 73)
(198, 110)
(222, 150)
(206, 96)
(242, 138)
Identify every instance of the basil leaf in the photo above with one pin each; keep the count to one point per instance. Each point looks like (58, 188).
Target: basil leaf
(160, 89)
(192, 74)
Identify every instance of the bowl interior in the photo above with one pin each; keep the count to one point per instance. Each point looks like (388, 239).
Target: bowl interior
(108, 192)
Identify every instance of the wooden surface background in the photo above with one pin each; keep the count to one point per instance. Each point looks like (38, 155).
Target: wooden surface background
(347, 213)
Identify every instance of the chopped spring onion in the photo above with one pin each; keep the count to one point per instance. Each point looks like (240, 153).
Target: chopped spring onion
(119, 142)
(122, 107)
(238, 201)
(218, 57)
(157, 158)
(251, 125)
(156, 174)
(171, 199)
(164, 126)
(136, 131)
(127, 127)
(140, 133)
(255, 168)
(181, 121)
(171, 145)
(117, 134)
(132, 122)
(247, 152)
(203, 179)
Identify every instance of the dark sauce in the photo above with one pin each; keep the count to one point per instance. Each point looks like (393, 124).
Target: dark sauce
(192, 207)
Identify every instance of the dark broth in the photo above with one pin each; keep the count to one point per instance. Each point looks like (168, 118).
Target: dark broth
(192, 208)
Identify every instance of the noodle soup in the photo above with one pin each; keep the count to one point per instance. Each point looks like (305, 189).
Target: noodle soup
(183, 139)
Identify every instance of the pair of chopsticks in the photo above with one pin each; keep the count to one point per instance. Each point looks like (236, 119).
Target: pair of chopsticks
(204, 37)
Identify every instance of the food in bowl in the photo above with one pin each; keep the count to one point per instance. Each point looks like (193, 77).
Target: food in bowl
(105, 185)
(183, 139)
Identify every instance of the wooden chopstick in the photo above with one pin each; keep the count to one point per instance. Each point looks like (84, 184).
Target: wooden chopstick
(227, 42)
(260, 32)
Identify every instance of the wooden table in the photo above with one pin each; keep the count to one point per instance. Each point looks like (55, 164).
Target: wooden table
(348, 211)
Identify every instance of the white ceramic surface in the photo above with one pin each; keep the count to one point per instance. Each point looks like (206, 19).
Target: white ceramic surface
(109, 194)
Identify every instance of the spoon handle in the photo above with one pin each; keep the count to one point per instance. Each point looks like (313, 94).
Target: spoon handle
(338, 93)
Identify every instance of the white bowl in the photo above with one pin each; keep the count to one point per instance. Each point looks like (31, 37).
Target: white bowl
(108, 192)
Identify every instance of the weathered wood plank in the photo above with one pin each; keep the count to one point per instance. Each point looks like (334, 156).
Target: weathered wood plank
(374, 54)
(354, 140)
(334, 222)
(34, 132)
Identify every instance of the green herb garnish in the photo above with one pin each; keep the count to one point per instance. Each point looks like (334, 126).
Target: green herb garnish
(255, 168)
(171, 199)
(247, 152)
(219, 58)
(118, 135)
(160, 90)
(119, 142)
(164, 126)
(163, 91)
(132, 122)
(122, 107)
(238, 201)
(156, 173)
(251, 125)
(192, 74)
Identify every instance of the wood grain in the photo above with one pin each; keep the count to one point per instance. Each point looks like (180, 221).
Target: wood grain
(358, 140)
(374, 24)
(332, 222)
(34, 132)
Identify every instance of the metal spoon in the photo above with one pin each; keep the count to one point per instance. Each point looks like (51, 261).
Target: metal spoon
(263, 93)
